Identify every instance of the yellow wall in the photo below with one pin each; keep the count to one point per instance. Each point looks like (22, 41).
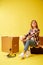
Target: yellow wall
(16, 16)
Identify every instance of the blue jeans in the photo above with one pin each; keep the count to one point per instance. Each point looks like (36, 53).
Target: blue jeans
(29, 43)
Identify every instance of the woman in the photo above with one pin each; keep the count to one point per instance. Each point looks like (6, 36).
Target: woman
(30, 39)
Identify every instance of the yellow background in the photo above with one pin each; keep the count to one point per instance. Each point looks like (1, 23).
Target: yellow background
(16, 16)
(15, 19)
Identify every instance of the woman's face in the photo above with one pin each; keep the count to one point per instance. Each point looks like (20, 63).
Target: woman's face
(34, 24)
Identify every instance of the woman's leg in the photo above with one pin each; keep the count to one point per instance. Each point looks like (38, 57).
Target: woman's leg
(24, 43)
(29, 43)
(26, 46)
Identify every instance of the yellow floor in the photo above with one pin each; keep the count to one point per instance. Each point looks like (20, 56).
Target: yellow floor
(32, 60)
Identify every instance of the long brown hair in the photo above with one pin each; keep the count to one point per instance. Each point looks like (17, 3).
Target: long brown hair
(35, 22)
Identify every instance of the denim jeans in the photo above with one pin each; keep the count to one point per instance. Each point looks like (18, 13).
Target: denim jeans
(29, 43)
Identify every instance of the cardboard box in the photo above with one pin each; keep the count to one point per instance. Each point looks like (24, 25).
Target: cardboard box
(10, 43)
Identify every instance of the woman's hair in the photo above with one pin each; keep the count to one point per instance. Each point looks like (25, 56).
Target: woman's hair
(35, 22)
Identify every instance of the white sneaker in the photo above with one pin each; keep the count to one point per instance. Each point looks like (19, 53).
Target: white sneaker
(28, 53)
(22, 55)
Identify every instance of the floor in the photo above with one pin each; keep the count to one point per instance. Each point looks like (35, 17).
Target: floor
(34, 59)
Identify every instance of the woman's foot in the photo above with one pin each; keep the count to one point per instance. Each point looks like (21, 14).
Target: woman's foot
(28, 53)
(22, 55)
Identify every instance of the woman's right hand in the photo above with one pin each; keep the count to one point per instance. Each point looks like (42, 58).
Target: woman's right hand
(22, 38)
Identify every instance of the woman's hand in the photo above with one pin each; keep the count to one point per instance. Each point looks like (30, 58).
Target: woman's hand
(22, 38)
(27, 38)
